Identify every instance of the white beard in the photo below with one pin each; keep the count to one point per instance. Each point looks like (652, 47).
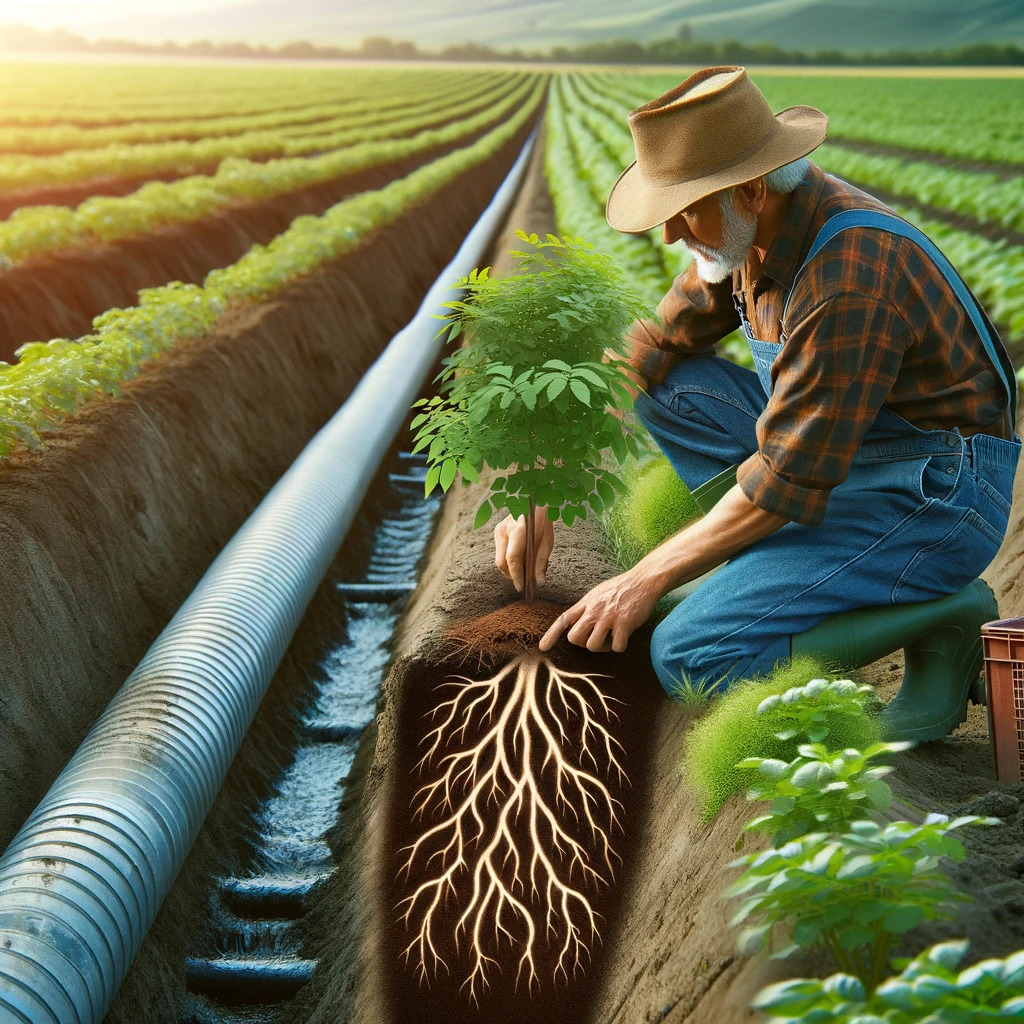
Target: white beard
(715, 265)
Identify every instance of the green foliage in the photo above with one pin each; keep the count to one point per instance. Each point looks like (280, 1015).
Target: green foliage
(347, 128)
(820, 789)
(528, 392)
(929, 990)
(852, 893)
(54, 379)
(655, 505)
(732, 731)
(806, 711)
(39, 230)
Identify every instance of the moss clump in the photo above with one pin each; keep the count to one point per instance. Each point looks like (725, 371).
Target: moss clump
(732, 730)
(656, 505)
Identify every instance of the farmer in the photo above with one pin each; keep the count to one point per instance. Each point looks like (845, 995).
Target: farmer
(858, 479)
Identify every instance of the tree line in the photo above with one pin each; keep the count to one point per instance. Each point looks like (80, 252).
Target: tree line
(680, 49)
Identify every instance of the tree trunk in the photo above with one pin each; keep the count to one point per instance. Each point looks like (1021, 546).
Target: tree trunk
(530, 583)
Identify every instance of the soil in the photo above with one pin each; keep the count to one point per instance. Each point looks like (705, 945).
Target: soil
(58, 296)
(671, 955)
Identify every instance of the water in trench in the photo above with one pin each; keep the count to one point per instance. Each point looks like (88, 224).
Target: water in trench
(255, 966)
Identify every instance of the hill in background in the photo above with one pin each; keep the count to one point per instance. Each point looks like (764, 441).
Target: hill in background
(538, 24)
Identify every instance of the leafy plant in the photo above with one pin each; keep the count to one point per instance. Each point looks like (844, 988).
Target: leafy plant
(732, 731)
(808, 711)
(929, 990)
(528, 393)
(851, 894)
(820, 789)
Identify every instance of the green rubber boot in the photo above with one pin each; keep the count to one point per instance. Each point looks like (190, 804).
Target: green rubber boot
(710, 491)
(942, 649)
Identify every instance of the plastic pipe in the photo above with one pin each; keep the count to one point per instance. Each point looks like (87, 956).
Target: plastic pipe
(81, 882)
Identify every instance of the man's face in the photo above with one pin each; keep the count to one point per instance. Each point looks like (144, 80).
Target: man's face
(715, 232)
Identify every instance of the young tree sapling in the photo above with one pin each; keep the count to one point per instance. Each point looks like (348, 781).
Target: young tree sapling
(529, 392)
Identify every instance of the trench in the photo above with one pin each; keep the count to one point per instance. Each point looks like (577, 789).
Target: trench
(249, 962)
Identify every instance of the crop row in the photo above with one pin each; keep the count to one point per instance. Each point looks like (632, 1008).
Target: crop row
(391, 94)
(993, 270)
(966, 118)
(108, 94)
(19, 172)
(35, 231)
(55, 378)
(983, 197)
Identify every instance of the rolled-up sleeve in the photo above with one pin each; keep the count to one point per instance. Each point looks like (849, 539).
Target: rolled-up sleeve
(693, 316)
(833, 374)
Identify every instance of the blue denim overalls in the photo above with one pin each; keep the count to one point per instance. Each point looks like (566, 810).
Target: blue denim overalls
(920, 514)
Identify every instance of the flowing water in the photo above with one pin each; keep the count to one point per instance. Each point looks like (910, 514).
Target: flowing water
(255, 964)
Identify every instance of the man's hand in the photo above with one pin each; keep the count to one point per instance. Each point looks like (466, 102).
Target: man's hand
(604, 618)
(510, 546)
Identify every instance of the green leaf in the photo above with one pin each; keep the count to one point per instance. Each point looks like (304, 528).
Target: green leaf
(902, 919)
(448, 470)
(483, 513)
(469, 471)
(555, 388)
(580, 390)
(433, 475)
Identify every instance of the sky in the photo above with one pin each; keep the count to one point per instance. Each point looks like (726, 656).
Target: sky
(79, 16)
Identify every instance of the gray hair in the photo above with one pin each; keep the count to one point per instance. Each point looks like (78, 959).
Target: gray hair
(785, 179)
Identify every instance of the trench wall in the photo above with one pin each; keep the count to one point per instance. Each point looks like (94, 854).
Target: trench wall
(105, 532)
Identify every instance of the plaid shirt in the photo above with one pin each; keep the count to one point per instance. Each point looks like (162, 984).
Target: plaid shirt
(871, 320)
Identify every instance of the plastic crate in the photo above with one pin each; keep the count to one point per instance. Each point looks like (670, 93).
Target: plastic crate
(1004, 675)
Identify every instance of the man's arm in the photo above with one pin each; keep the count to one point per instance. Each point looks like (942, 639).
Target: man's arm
(693, 316)
(606, 616)
(831, 378)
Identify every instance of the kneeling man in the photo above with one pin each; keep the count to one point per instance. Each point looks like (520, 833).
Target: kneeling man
(858, 480)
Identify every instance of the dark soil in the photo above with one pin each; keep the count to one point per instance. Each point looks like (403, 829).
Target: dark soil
(506, 631)
(58, 296)
(629, 681)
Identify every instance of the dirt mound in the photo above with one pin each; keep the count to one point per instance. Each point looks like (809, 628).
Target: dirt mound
(507, 630)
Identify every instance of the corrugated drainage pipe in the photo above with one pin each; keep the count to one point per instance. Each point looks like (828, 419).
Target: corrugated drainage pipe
(82, 881)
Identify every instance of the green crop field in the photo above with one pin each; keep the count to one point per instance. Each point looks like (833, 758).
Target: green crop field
(945, 150)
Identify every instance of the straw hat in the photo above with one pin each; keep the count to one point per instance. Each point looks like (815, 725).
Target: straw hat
(714, 131)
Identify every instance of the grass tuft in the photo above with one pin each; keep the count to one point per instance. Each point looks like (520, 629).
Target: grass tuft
(656, 505)
(732, 730)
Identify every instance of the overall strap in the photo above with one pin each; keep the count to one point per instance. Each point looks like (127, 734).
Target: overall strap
(898, 226)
